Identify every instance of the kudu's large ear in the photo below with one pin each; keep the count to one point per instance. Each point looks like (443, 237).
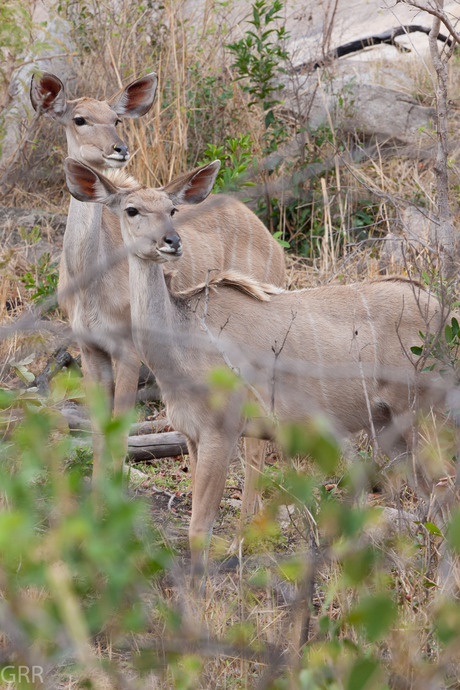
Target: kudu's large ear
(85, 184)
(136, 98)
(193, 187)
(47, 95)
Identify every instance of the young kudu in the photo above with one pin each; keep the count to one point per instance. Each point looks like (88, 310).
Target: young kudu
(343, 351)
(226, 236)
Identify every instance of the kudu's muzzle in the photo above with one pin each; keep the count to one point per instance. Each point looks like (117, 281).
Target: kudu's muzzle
(118, 152)
(171, 244)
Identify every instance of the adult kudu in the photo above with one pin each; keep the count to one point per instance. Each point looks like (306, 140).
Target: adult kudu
(227, 235)
(343, 351)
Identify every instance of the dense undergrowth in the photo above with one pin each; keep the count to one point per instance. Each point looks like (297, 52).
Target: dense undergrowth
(354, 584)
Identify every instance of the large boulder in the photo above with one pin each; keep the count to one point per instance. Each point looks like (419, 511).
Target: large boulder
(52, 51)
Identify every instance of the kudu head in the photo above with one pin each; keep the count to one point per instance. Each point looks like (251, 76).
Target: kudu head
(145, 214)
(91, 124)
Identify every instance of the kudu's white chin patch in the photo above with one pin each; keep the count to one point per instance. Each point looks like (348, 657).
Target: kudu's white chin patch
(150, 256)
(160, 256)
(114, 162)
(169, 254)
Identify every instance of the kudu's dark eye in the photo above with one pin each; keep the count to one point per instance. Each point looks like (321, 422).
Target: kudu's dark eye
(131, 211)
(173, 211)
(79, 121)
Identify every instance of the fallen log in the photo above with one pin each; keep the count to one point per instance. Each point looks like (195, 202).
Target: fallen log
(150, 427)
(255, 428)
(148, 440)
(163, 445)
(151, 446)
(77, 423)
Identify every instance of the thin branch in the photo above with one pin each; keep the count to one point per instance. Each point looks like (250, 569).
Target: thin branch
(277, 354)
(438, 13)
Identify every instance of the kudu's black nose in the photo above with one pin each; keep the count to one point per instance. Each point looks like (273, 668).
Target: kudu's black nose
(121, 148)
(173, 241)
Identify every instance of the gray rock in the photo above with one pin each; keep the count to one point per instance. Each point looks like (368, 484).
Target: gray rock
(416, 230)
(19, 113)
(419, 227)
(393, 253)
(391, 523)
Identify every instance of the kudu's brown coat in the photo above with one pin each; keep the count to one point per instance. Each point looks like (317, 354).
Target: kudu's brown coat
(342, 351)
(226, 235)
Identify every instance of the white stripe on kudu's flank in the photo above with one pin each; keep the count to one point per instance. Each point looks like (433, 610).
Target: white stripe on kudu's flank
(249, 252)
(192, 263)
(269, 261)
(374, 334)
(221, 240)
(235, 246)
(320, 377)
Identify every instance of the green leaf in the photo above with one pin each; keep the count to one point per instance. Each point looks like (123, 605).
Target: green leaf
(416, 349)
(250, 409)
(299, 486)
(23, 373)
(240, 633)
(375, 614)
(359, 564)
(7, 398)
(432, 529)
(223, 377)
(362, 672)
(269, 118)
(260, 578)
(447, 622)
(278, 238)
(292, 570)
(314, 439)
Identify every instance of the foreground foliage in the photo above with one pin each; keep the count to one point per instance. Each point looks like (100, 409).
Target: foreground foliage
(347, 597)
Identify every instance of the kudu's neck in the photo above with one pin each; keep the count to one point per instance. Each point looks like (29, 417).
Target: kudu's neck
(92, 231)
(92, 234)
(157, 317)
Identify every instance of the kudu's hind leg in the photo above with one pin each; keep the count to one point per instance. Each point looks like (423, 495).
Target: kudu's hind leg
(193, 458)
(209, 475)
(254, 455)
(254, 459)
(97, 369)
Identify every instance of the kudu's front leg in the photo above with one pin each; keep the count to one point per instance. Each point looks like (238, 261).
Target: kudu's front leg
(97, 369)
(209, 475)
(126, 383)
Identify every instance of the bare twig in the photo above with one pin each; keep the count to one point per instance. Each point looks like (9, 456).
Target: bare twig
(277, 353)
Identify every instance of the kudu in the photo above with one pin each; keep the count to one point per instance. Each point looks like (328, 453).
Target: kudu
(343, 351)
(226, 236)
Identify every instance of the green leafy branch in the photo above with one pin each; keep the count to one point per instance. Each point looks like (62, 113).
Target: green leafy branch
(235, 156)
(44, 281)
(444, 351)
(259, 56)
